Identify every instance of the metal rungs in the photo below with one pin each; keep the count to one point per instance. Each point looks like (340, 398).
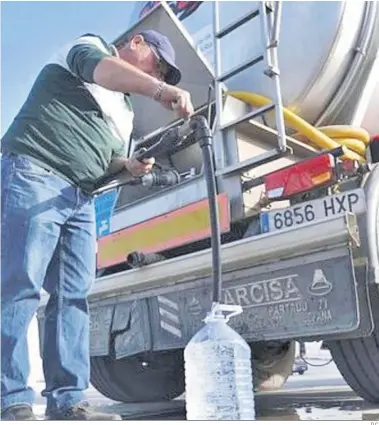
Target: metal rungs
(250, 163)
(240, 68)
(270, 30)
(236, 24)
(251, 115)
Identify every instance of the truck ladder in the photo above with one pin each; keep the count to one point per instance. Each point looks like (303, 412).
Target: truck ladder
(226, 149)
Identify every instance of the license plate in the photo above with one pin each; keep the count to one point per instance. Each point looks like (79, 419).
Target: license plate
(352, 201)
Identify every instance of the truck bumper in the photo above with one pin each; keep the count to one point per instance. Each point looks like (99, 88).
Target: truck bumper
(310, 283)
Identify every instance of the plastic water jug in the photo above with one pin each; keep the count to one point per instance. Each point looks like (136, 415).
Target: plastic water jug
(218, 370)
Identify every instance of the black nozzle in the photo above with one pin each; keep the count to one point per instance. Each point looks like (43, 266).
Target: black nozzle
(203, 133)
(161, 178)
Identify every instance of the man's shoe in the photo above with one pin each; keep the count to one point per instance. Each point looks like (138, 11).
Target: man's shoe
(18, 412)
(82, 412)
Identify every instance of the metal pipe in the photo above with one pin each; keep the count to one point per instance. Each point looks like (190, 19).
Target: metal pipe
(371, 186)
(140, 259)
(279, 117)
(219, 147)
(277, 22)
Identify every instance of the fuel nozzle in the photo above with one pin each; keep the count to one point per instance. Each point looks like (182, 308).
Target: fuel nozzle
(170, 140)
(162, 178)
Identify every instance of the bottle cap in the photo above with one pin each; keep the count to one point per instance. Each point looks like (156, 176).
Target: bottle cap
(220, 312)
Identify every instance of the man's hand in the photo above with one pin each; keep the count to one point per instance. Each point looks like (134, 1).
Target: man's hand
(176, 99)
(118, 75)
(139, 168)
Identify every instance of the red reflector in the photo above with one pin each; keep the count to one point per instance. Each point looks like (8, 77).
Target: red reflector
(300, 177)
(349, 164)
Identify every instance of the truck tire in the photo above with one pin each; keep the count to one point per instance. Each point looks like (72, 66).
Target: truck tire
(127, 380)
(272, 365)
(358, 359)
(156, 377)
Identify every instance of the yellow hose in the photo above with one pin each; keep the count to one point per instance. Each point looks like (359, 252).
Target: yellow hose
(346, 131)
(354, 145)
(352, 138)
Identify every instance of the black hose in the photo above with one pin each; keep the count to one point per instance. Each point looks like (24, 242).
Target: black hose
(139, 259)
(203, 136)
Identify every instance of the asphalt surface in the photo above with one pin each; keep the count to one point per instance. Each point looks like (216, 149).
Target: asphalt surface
(320, 394)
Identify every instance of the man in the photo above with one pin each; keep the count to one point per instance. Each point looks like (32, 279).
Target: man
(74, 126)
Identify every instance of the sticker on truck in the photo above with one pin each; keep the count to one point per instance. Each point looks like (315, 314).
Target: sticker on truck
(352, 201)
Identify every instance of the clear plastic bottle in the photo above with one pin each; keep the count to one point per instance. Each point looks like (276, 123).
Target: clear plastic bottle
(219, 382)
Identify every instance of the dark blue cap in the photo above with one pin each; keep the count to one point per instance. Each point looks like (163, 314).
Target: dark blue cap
(167, 53)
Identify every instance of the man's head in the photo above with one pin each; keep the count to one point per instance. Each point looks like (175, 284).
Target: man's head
(152, 52)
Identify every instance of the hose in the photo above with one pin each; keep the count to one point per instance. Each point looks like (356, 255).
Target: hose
(203, 136)
(353, 139)
(139, 259)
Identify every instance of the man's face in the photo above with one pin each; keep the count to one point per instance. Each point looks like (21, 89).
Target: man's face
(146, 58)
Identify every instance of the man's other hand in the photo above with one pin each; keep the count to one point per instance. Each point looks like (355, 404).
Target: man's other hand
(139, 168)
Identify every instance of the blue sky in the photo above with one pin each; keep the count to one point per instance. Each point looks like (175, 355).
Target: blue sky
(32, 31)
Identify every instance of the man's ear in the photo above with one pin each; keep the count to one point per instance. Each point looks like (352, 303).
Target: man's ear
(136, 41)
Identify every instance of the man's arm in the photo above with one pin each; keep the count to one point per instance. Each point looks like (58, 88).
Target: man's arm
(118, 75)
(89, 60)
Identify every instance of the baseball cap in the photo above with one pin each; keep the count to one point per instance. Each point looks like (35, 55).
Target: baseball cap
(166, 52)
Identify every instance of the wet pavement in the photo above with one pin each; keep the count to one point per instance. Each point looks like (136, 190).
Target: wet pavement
(319, 394)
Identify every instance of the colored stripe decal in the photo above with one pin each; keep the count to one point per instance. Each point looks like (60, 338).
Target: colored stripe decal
(179, 227)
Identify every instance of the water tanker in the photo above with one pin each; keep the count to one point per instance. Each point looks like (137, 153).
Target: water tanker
(293, 111)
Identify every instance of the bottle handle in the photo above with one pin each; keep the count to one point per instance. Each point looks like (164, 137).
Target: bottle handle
(218, 310)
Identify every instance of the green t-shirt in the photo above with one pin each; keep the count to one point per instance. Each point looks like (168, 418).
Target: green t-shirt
(68, 124)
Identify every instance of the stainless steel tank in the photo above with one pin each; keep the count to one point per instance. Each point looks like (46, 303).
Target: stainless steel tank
(329, 75)
(327, 54)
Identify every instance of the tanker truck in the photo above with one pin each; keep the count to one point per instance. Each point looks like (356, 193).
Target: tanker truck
(290, 91)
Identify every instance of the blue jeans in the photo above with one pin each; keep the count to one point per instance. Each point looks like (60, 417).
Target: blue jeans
(48, 239)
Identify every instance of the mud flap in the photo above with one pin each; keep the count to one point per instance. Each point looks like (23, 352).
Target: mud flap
(308, 296)
(120, 329)
(312, 296)
(100, 326)
(130, 329)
